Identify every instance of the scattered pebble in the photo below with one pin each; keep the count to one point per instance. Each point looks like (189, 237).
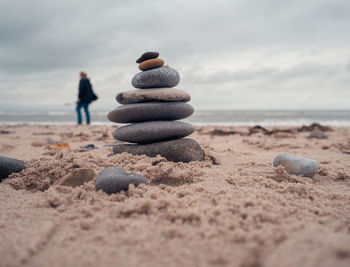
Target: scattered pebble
(39, 143)
(77, 177)
(317, 134)
(10, 165)
(60, 146)
(297, 165)
(113, 180)
(89, 146)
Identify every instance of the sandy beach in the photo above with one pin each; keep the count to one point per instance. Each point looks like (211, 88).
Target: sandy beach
(233, 209)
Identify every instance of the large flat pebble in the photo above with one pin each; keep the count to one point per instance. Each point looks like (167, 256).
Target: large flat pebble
(179, 150)
(152, 95)
(153, 131)
(150, 112)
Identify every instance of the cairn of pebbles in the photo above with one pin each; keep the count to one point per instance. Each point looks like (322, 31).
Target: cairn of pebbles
(152, 112)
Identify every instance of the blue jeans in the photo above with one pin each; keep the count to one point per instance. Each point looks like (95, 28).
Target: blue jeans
(86, 109)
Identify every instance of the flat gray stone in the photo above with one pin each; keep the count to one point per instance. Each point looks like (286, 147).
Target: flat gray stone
(179, 150)
(113, 180)
(156, 78)
(297, 165)
(317, 134)
(153, 95)
(146, 56)
(10, 165)
(153, 131)
(150, 112)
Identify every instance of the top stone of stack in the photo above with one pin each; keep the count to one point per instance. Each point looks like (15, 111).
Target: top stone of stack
(146, 56)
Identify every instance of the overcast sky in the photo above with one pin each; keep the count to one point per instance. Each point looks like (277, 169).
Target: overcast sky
(238, 54)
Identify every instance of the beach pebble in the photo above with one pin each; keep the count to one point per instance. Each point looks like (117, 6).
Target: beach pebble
(150, 112)
(39, 143)
(88, 146)
(297, 165)
(10, 165)
(153, 131)
(113, 180)
(156, 78)
(151, 64)
(77, 177)
(152, 95)
(179, 150)
(51, 141)
(147, 55)
(317, 134)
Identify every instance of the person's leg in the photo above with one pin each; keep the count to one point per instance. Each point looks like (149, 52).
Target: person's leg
(86, 109)
(79, 106)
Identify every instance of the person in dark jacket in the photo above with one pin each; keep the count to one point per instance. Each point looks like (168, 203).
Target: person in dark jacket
(84, 97)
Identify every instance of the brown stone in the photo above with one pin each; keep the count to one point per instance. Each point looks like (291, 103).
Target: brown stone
(76, 178)
(151, 64)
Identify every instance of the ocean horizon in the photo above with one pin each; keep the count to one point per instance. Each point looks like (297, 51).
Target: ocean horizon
(200, 117)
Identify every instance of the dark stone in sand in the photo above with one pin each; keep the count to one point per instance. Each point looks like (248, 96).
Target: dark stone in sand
(10, 165)
(76, 178)
(153, 95)
(153, 131)
(180, 150)
(156, 78)
(113, 180)
(317, 134)
(146, 56)
(296, 165)
(150, 112)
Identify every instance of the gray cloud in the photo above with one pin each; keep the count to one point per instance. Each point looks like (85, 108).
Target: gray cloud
(268, 45)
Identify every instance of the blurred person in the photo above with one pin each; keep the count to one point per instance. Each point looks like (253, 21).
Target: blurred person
(85, 97)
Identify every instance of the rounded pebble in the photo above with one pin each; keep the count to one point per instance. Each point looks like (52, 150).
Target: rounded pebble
(113, 180)
(156, 78)
(297, 165)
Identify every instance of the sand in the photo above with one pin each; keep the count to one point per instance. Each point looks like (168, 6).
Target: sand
(233, 209)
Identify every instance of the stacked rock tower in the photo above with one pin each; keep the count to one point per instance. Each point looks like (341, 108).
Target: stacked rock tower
(152, 112)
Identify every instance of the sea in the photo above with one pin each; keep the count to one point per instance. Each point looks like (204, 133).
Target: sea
(200, 117)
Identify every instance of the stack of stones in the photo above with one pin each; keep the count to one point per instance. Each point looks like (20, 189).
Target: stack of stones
(152, 113)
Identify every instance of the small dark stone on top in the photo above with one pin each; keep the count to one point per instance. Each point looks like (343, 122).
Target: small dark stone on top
(146, 56)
